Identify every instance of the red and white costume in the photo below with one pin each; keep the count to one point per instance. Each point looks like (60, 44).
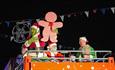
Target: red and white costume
(53, 52)
(34, 41)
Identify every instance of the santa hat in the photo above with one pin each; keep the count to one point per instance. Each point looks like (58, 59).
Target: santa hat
(52, 44)
(83, 38)
(35, 26)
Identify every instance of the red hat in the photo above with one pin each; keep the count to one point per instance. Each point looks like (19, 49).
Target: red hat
(52, 44)
(35, 26)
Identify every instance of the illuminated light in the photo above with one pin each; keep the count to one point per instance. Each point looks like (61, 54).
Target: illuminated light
(106, 69)
(31, 69)
(63, 69)
(57, 62)
(68, 66)
(34, 65)
(80, 65)
(92, 68)
(103, 65)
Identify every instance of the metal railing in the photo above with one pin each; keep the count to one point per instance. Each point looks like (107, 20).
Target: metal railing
(108, 52)
(66, 51)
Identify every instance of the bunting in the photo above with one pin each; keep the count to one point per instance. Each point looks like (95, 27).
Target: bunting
(87, 13)
(7, 23)
(37, 20)
(62, 17)
(69, 15)
(103, 11)
(94, 10)
(113, 9)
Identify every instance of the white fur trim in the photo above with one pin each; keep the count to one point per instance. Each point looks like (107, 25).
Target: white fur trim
(53, 44)
(37, 28)
(52, 54)
(27, 44)
(40, 55)
(37, 44)
(34, 27)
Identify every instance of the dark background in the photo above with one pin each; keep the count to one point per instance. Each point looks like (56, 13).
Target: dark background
(98, 28)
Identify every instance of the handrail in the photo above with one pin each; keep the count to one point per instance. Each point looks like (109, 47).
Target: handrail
(65, 51)
(68, 58)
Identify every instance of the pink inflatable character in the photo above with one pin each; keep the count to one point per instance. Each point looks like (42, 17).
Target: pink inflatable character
(50, 27)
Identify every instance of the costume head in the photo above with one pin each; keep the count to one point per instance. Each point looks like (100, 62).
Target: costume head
(51, 17)
(50, 27)
(35, 29)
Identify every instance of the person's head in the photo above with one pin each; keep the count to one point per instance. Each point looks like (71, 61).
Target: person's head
(34, 29)
(52, 47)
(83, 41)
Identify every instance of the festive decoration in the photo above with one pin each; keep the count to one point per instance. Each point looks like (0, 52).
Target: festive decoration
(33, 40)
(20, 31)
(87, 13)
(69, 15)
(37, 20)
(52, 53)
(62, 17)
(94, 10)
(50, 27)
(7, 23)
(113, 9)
(103, 10)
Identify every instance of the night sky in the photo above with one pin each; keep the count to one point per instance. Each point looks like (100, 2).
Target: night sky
(98, 27)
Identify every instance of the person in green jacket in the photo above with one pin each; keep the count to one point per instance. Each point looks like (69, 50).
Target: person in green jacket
(87, 51)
